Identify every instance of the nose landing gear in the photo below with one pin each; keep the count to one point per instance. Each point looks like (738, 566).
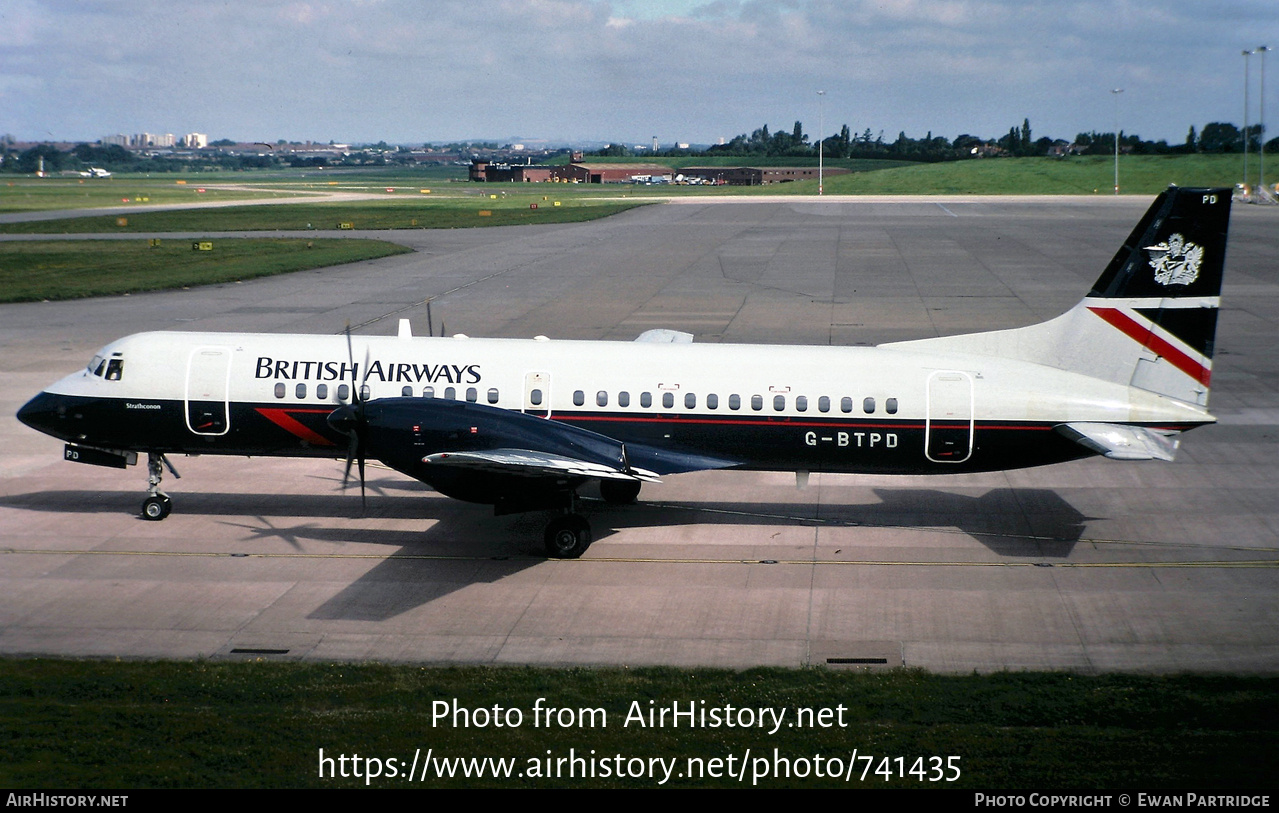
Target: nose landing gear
(157, 505)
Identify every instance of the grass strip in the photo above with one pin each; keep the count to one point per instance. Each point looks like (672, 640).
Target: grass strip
(96, 724)
(43, 194)
(306, 216)
(71, 269)
(1079, 175)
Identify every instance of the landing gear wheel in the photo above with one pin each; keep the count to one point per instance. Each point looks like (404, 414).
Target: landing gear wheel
(567, 537)
(619, 492)
(156, 507)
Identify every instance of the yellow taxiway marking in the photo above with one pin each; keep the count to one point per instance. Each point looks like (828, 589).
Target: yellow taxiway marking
(1250, 563)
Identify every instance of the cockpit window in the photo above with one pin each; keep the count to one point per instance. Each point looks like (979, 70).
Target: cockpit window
(97, 366)
(115, 368)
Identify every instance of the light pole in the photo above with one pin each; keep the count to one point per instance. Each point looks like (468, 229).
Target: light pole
(1116, 93)
(1261, 125)
(821, 128)
(1246, 81)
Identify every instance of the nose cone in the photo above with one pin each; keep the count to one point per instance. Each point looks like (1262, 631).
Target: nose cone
(45, 413)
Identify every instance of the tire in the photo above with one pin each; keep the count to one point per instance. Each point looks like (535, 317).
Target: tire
(619, 492)
(567, 537)
(156, 508)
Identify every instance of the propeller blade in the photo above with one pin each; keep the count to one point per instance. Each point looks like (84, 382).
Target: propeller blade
(353, 420)
(364, 503)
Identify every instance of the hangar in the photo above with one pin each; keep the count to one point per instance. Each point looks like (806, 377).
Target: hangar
(758, 176)
(616, 173)
(501, 172)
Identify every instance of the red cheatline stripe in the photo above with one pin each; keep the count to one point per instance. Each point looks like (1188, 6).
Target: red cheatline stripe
(774, 422)
(282, 419)
(1146, 337)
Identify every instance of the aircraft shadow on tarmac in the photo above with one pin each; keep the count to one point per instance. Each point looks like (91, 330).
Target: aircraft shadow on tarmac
(465, 544)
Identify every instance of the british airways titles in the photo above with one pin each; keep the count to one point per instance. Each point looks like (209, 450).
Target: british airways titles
(391, 372)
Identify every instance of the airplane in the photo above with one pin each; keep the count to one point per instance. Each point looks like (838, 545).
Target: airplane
(524, 424)
(95, 172)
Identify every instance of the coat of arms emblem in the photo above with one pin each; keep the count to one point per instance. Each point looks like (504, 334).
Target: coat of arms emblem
(1176, 261)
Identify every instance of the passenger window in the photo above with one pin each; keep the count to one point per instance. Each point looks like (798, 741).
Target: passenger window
(623, 399)
(734, 401)
(451, 394)
(407, 391)
(428, 392)
(712, 401)
(492, 395)
(601, 398)
(646, 399)
(779, 403)
(344, 392)
(823, 404)
(579, 398)
(868, 406)
(365, 392)
(301, 391)
(280, 389)
(472, 395)
(534, 396)
(801, 403)
(845, 404)
(690, 401)
(322, 391)
(668, 399)
(757, 402)
(891, 406)
(115, 368)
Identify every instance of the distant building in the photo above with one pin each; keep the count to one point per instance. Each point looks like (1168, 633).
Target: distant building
(758, 176)
(616, 173)
(483, 169)
(195, 141)
(143, 140)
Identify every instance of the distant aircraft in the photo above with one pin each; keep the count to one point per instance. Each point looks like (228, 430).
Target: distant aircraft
(95, 172)
(523, 424)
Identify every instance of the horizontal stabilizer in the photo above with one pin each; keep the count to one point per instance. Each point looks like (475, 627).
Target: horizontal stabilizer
(1120, 442)
(535, 464)
(661, 335)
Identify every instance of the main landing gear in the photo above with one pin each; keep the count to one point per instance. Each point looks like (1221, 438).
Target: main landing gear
(567, 536)
(157, 505)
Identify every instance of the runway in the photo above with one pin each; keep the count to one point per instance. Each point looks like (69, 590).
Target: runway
(1092, 566)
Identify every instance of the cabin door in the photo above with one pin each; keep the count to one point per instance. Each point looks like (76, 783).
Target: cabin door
(208, 383)
(948, 430)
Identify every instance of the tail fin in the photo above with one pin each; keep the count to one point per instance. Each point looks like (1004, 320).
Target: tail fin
(1150, 320)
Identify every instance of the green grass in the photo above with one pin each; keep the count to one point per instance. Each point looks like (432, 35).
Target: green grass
(69, 269)
(91, 724)
(398, 213)
(1083, 175)
(26, 194)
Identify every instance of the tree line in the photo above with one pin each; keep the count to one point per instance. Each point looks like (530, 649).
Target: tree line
(1216, 137)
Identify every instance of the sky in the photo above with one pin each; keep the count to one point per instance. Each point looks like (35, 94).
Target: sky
(362, 71)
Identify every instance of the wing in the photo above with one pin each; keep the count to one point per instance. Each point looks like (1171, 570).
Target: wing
(530, 463)
(431, 438)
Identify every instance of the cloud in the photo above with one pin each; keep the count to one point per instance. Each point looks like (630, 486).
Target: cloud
(404, 71)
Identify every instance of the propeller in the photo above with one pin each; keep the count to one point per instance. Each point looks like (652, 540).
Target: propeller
(352, 420)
